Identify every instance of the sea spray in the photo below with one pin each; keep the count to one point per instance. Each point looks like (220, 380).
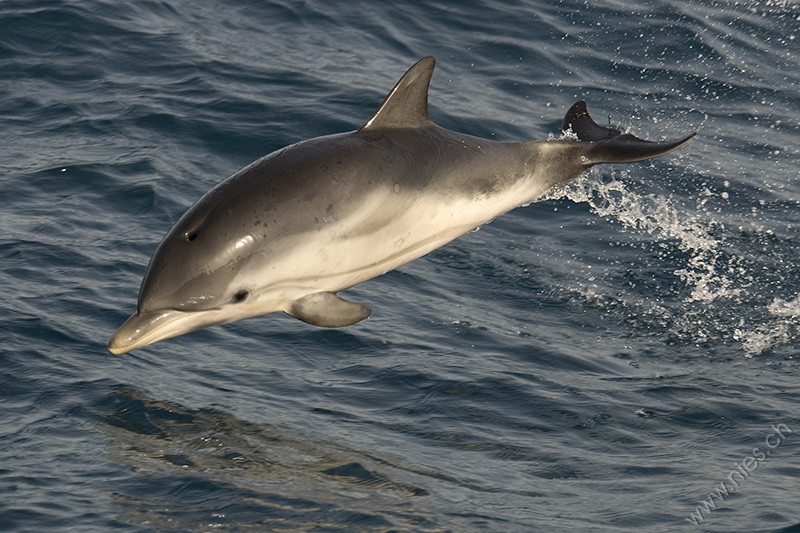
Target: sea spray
(714, 274)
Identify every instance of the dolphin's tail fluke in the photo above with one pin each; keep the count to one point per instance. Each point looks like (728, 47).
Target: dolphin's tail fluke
(609, 145)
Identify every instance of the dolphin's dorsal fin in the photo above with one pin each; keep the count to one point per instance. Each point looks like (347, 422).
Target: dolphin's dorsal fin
(407, 104)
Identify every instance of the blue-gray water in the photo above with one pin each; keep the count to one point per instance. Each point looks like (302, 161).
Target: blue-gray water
(602, 360)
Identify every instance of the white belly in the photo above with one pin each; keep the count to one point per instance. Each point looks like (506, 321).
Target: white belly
(388, 229)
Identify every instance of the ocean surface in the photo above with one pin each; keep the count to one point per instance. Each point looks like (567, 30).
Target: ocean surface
(620, 356)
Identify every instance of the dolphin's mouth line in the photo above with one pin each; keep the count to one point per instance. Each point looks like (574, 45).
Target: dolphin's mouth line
(142, 329)
(148, 327)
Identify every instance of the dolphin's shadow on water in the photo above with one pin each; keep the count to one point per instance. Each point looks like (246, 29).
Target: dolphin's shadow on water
(196, 469)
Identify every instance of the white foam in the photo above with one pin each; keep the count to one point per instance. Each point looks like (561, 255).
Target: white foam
(724, 299)
(657, 216)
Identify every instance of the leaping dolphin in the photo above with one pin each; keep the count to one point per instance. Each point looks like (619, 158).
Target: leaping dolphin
(294, 228)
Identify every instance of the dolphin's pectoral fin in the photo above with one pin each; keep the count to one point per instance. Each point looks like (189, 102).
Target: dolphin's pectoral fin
(610, 145)
(328, 310)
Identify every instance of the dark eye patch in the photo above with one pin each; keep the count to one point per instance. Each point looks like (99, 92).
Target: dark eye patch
(240, 296)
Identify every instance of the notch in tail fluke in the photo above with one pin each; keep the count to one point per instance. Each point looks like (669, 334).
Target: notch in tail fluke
(610, 145)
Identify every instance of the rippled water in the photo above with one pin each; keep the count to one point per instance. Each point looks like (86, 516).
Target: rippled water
(603, 360)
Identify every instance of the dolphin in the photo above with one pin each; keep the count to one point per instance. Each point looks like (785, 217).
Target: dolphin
(292, 229)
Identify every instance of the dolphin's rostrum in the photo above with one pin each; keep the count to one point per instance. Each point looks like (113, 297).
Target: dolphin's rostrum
(290, 231)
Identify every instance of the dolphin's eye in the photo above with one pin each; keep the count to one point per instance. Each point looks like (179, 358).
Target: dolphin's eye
(190, 236)
(240, 296)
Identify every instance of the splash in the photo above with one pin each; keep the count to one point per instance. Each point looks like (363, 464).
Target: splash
(782, 330)
(713, 270)
(657, 216)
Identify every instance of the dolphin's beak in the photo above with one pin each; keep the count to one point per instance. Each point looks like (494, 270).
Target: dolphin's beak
(146, 328)
(143, 329)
